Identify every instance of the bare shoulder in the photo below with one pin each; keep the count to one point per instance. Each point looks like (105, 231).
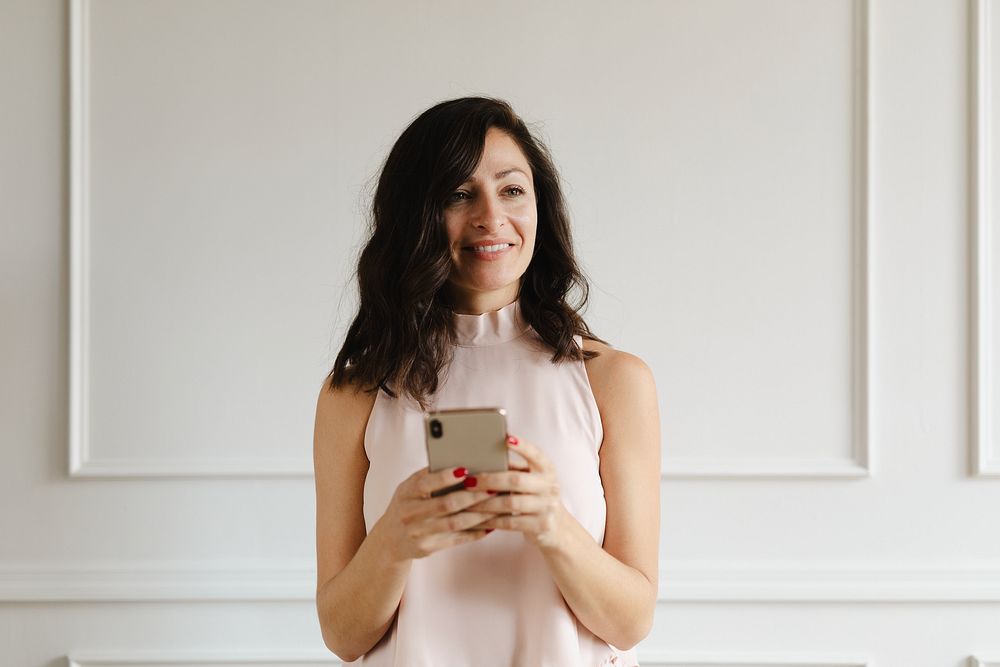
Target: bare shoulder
(616, 373)
(343, 409)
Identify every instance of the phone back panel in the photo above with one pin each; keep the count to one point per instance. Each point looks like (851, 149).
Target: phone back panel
(472, 437)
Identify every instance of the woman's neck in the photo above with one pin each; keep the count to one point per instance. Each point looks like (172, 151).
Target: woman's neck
(477, 303)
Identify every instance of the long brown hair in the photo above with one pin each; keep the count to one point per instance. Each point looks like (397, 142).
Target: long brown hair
(403, 334)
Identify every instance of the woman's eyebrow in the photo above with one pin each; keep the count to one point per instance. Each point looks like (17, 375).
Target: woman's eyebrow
(501, 174)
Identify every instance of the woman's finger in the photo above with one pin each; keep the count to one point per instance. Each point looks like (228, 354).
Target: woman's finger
(424, 485)
(454, 523)
(520, 503)
(537, 460)
(527, 523)
(517, 481)
(419, 509)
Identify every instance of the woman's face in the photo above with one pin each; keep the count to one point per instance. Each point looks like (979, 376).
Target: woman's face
(495, 207)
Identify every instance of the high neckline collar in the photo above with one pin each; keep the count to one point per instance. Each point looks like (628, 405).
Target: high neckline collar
(497, 326)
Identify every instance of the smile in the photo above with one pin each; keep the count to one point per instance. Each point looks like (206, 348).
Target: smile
(489, 252)
(490, 248)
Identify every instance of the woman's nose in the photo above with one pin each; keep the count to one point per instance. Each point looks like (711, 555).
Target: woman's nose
(491, 213)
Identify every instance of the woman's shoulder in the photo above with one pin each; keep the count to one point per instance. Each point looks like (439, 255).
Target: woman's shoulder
(614, 372)
(350, 394)
(342, 412)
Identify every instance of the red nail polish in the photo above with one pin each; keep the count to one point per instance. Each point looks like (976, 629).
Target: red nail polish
(460, 472)
(511, 439)
(491, 492)
(489, 530)
(469, 482)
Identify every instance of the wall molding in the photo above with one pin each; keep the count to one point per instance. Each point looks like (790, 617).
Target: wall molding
(79, 224)
(680, 581)
(82, 462)
(229, 467)
(845, 581)
(274, 659)
(743, 659)
(976, 661)
(256, 658)
(860, 462)
(984, 459)
(647, 658)
(690, 467)
(158, 581)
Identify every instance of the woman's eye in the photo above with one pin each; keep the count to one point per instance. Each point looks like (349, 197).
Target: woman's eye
(457, 196)
(516, 190)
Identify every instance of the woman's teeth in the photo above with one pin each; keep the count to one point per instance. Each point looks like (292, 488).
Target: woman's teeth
(491, 248)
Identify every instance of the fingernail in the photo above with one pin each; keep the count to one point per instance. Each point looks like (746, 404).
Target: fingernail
(460, 472)
(469, 482)
(511, 439)
(490, 530)
(491, 492)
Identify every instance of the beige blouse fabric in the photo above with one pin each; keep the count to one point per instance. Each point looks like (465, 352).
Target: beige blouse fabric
(493, 602)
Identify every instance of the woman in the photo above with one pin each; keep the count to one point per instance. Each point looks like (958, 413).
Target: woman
(463, 303)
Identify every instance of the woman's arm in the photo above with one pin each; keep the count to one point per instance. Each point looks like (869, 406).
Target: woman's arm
(613, 590)
(360, 578)
(358, 589)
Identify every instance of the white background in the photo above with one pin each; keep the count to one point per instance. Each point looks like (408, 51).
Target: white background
(784, 207)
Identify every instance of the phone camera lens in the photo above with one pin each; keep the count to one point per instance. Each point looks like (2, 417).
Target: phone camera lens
(436, 428)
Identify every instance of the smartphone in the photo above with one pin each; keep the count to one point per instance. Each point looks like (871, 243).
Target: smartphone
(470, 437)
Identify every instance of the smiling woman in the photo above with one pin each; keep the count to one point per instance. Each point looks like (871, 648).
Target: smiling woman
(491, 222)
(464, 285)
(465, 171)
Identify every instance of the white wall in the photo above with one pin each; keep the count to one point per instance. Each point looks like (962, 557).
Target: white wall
(784, 207)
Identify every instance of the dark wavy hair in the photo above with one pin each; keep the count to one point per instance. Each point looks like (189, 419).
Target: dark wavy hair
(403, 334)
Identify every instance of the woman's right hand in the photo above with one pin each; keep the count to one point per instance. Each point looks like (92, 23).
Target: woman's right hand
(416, 525)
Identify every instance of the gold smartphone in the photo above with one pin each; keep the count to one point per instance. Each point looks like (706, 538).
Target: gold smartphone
(470, 437)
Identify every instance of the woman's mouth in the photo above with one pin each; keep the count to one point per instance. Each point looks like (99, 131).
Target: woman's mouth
(488, 253)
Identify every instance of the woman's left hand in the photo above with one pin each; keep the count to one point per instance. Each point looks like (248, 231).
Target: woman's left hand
(534, 506)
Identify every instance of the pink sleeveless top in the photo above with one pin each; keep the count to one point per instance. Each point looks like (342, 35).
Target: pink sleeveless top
(493, 602)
